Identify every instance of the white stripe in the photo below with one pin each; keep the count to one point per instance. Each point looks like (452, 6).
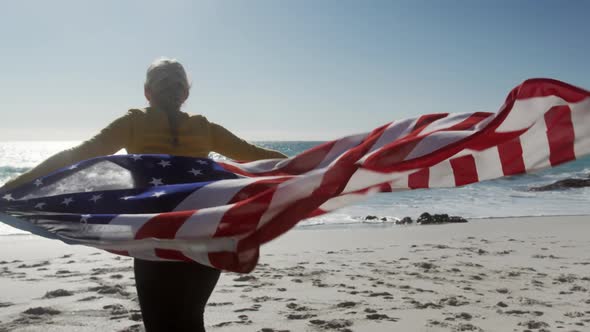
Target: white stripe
(488, 163)
(202, 224)
(123, 226)
(340, 147)
(290, 191)
(437, 141)
(259, 166)
(444, 123)
(201, 257)
(581, 122)
(215, 194)
(402, 183)
(202, 245)
(441, 175)
(145, 254)
(524, 112)
(364, 178)
(535, 146)
(394, 132)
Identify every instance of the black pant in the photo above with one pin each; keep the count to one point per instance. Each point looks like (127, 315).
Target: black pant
(173, 295)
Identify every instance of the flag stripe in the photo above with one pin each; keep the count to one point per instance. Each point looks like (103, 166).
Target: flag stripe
(465, 170)
(163, 226)
(511, 157)
(419, 179)
(560, 133)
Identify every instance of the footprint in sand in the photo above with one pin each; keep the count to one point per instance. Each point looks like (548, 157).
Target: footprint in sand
(57, 293)
(381, 317)
(331, 324)
(110, 290)
(5, 304)
(42, 311)
(254, 307)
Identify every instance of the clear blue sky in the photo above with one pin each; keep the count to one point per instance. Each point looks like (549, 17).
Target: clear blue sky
(279, 69)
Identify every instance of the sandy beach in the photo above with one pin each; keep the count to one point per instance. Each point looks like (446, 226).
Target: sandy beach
(525, 274)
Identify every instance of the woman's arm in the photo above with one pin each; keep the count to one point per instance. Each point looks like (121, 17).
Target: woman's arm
(110, 140)
(230, 145)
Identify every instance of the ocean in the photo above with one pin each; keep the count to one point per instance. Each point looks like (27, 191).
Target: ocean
(506, 197)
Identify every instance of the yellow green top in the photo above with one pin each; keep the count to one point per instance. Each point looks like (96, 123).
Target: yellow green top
(147, 130)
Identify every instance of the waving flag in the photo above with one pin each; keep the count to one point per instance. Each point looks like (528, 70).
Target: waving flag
(161, 207)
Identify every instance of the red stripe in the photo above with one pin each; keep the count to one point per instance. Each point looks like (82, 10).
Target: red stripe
(464, 170)
(543, 87)
(511, 157)
(256, 188)
(243, 217)
(385, 187)
(309, 159)
(560, 133)
(316, 212)
(471, 121)
(164, 225)
(424, 120)
(398, 150)
(419, 179)
(240, 219)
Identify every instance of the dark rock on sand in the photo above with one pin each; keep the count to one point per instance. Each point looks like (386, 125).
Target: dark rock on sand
(369, 217)
(428, 219)
(563, 184)
(405, 221)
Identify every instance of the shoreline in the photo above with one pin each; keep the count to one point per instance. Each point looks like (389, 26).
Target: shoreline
(379, 224)
(511, 274)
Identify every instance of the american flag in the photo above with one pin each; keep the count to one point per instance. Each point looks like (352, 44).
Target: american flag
(219, 213)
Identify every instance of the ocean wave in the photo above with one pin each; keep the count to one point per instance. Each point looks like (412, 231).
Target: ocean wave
(12, 169)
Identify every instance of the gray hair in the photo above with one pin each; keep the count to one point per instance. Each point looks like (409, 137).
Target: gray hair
(168, 83)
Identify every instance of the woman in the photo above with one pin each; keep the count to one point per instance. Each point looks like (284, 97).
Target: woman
(172, 295)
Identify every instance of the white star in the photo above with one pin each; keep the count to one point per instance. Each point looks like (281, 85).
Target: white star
(40, 205)
(38, 182)
(196, 172)
(126, 197)
(8, 197)
(164, 163)
(156, 182)
(95, 198)
(202, 162)
(135, 157)
(73, 167)
(158, 193)
(67, 201)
